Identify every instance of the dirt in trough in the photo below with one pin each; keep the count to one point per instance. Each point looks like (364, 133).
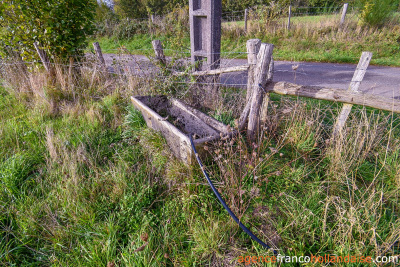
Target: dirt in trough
(184, 121)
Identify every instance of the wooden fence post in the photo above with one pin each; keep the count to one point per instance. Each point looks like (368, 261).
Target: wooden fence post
(343, 13)
(99, 54)
(264, 107)
(260, 80)
(353, 87)
(253, 47)
(246, 16)
(159, 52)
(290, 13)
(43, 57)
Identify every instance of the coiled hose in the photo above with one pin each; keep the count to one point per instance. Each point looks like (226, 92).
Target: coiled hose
(244, 228)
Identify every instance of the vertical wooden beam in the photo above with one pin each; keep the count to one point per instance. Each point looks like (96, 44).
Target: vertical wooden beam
(344, 13)
(353, 87)
(290, 13)
(246, 16)
(253, 47)
(263, 62)
(159, 52)
(43, 57)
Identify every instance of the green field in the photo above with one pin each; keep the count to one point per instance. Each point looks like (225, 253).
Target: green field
(84, 182)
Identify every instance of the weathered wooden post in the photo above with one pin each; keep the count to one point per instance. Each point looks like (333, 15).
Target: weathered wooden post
(290, 13)
(262, 69)
(43, 57)
(264, 106)
(246, 16)
(353, 87)
(99, 54)
(159, 52)
(205, 42)
(343, 13)
(253, 46)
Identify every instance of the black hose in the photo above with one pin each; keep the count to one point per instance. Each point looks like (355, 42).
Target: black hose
(244, 228)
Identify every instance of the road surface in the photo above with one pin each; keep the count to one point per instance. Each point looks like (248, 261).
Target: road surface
(383, 81)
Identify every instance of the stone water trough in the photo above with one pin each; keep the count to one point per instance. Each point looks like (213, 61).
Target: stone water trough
(176, 121)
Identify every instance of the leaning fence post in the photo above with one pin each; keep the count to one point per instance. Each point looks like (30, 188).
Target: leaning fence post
(43, 57)
(290, 13)
(246, 15)
(343, 13)
(353, 87)
(159, 51)
(253, 46)
(99, 54)
(262, 69)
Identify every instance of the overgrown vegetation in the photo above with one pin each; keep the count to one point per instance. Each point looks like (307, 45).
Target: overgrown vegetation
(83, 181)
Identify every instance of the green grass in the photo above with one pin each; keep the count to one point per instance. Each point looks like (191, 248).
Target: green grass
(316, 18)
(91, 184)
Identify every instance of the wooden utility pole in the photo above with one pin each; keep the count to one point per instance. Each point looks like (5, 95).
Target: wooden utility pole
(290, 13)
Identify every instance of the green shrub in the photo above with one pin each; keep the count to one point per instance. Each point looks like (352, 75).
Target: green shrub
(126, 29)
(374, 12)
(60, 27)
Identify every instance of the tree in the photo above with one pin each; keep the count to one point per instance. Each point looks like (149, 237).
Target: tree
(154, 6)
(104, 12)
(59, 26)
(129, 9)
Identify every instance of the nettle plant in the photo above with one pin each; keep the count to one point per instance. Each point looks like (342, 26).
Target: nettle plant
(60, 27)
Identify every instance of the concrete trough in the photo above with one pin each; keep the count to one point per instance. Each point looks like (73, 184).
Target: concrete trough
(176, 121)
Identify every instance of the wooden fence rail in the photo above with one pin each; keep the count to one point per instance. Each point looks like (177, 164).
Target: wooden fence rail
(335, 95)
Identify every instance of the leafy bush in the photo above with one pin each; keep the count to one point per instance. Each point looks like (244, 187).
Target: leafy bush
(60, 27)
(374, 12)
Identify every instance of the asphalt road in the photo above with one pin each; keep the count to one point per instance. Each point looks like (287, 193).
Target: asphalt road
(383, 81)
